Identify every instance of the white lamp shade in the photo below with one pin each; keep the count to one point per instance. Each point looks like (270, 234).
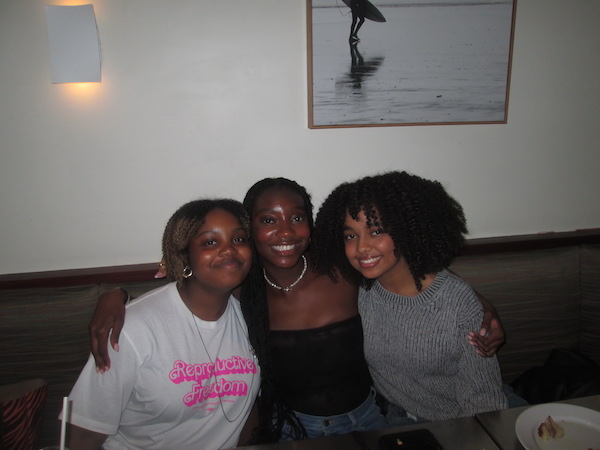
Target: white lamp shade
(74, 44)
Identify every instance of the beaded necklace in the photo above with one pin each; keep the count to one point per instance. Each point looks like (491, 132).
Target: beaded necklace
(289, 288)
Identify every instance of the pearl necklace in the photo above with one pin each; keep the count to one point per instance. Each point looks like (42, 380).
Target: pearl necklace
(291, 286)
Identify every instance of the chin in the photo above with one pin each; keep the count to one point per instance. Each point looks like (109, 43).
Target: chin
(368, 274)
(286, 261)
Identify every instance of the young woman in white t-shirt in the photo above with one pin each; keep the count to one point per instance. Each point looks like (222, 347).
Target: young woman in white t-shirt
(186, 376)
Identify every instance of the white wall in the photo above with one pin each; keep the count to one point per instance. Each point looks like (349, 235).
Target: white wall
(205, 97)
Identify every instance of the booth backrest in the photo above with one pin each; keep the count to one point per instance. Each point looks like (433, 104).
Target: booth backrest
(45, 335)
(546, 299)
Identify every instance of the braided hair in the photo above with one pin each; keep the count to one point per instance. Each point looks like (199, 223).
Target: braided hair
(273, 411)
(183, 226)
(426, 224)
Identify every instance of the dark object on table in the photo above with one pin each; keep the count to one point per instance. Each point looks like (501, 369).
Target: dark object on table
(421, 439)
(567, 373)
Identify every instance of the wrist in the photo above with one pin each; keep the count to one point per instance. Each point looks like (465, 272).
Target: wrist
(125, 295)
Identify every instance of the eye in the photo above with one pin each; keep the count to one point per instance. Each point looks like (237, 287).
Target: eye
(298, 219)
(349, 236)
(267, 220)
(209, 242)
(240, 240)
(377, 232)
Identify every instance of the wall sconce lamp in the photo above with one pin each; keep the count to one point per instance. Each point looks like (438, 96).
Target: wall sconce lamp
(74, 43)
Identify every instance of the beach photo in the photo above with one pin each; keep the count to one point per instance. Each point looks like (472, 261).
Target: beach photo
(405, 62)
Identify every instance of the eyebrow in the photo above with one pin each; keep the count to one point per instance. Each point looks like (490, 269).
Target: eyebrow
(213, 231)
(298, 207)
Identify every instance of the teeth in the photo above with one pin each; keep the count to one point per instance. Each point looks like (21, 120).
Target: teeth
(283, 248)
(370, 260)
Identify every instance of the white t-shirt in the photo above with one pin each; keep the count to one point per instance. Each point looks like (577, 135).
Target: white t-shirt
(161, 391)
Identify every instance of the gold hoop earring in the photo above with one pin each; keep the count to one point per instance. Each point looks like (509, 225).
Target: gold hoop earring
(187, 272)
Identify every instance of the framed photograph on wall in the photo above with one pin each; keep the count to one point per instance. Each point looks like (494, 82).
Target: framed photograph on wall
(408, 62)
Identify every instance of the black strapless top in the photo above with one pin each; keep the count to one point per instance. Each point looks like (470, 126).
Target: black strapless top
(321, 371)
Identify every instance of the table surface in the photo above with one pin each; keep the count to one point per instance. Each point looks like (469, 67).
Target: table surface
(456, 434)
(500, 425)
(487, 431)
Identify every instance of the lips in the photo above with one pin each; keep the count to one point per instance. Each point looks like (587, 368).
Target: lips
(230, 263)
(367, 263)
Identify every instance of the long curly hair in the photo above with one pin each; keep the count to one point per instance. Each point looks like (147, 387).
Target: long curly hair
(183, 226)
(425, 223)
(273, 411)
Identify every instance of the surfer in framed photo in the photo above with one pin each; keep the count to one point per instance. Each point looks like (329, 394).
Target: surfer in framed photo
(361, 10)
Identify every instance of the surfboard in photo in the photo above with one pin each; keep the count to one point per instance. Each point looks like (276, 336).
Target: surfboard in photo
(371, 11)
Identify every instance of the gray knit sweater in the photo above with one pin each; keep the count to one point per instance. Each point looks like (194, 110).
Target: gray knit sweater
(418, 353)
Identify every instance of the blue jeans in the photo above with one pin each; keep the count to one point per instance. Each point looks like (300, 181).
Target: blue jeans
(365, 417)
(397, 416)
(514, 400)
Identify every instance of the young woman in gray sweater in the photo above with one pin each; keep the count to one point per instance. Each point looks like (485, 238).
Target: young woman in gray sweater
(397, 234)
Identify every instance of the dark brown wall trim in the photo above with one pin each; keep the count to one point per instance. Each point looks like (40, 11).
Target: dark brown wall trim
(76, 277)
(531, 241)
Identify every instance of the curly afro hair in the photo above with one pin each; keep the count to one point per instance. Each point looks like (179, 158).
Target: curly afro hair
(426, 224)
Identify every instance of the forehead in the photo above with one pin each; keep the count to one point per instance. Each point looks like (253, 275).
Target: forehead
(220, 218)
(278, 197)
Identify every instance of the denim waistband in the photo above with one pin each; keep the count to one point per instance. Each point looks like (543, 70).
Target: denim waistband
(327, 420)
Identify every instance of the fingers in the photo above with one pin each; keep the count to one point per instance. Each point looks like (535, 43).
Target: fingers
(479, 344)
(100, 337)
(496, 333)
(100, 363)
(162, 270)
(486, 323)
(491, 335)
(116, 333)
(486, 344)
(98, 340)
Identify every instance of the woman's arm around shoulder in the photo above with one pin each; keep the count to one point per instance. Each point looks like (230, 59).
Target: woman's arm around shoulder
(109, 315)
(490, 336)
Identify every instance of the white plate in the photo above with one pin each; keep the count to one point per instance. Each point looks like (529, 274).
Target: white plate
(582, 427)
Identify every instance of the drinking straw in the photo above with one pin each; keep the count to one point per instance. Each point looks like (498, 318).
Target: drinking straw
(63, 423)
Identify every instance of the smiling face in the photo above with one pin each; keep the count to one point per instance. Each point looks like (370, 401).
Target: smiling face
(219, 254)
(280, 227)
(370, 250)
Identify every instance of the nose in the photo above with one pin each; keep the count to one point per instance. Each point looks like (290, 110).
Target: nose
(284, 229)
(228, 249)
(363, 244)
